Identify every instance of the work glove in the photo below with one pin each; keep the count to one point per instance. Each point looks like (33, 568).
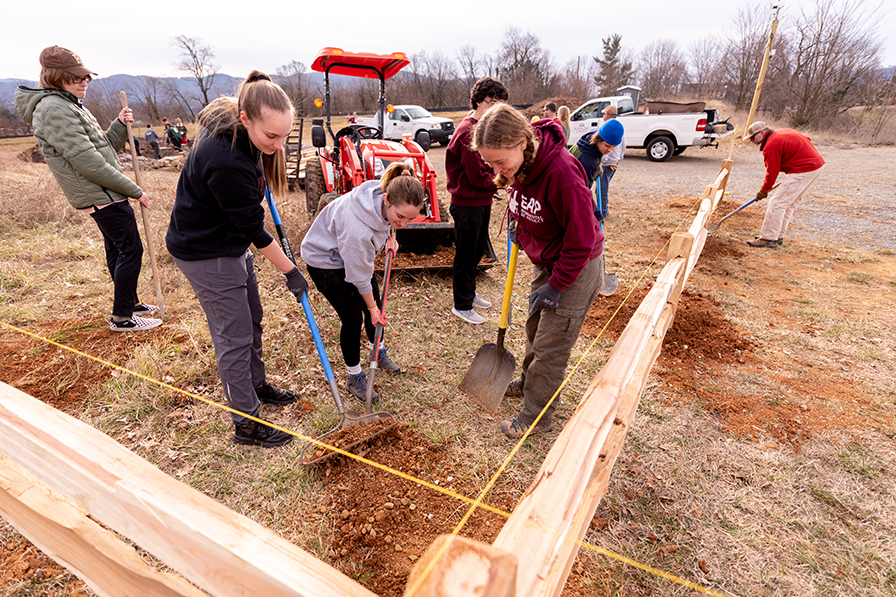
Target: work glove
(511, 230)
(296, 283)
(761, 195)
(544, 297)
(600, 172)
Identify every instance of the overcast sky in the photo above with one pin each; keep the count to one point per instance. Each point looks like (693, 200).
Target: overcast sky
(135, 38)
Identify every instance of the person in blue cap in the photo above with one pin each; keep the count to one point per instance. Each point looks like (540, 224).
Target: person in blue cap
(591, 150)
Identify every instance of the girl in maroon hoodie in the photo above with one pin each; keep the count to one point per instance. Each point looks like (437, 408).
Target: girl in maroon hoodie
(555, 226)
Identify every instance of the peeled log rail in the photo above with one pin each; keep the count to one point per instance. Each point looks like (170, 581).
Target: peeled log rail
(224, 553)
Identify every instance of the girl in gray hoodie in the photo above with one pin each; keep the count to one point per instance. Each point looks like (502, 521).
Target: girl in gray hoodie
(339, 250)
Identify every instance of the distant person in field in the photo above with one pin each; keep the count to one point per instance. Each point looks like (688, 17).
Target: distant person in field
(152, 138)
(563, 117)
(173, 134)
(217, 215)
(556, 228)
(181, 129)
(792, 152)
(472, 188)
(83, 160)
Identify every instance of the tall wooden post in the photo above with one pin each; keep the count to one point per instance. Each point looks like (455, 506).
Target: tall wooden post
(768, 52)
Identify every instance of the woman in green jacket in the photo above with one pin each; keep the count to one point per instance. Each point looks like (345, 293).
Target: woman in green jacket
(83, 160)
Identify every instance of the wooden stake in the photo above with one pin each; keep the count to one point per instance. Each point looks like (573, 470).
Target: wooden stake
(460, 567)
(146, 229)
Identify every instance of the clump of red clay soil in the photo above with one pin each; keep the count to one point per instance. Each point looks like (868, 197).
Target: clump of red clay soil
(22, 565)
(383, 523)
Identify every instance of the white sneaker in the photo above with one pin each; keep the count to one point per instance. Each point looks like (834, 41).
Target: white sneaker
(470, 316)
(480, 302)
(134, 324)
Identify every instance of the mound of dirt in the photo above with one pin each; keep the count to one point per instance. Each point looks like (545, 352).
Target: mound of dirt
(32, 154)
(384, 523)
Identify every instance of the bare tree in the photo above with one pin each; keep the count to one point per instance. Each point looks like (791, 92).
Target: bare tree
(525, 67)
(577, 79)
(179, 100)
(836, 44)
(707, 67)
(615, 69)
(148, 92)
(291, 78)
(743, 53)
(104, 101)
(439, 80)
(469, 62)
(197, 60)
(661, 69)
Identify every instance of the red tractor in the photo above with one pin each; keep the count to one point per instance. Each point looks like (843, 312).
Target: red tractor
(359, 152)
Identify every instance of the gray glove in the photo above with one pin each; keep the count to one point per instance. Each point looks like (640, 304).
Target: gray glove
(296, 283)
(544, 297)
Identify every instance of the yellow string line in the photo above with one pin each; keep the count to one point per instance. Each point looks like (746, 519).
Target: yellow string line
(474, 503)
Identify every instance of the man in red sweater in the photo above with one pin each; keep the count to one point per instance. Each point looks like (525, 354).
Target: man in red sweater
(472, 188)
(792, 152)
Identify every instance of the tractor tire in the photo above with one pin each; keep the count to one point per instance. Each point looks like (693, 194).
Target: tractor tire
(660, 149)
(423, 140)
(314, 185)
(325, 200)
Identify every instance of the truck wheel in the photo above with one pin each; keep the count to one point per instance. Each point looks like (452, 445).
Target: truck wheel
(660, 149)
(444, 143)
(325, 200)
(423, 140)
(679, 150)
(314, 185)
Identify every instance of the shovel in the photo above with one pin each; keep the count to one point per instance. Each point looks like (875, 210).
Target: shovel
(493, 366)
(717, 225)
(378, 335)
(346, 419)
(610, 282)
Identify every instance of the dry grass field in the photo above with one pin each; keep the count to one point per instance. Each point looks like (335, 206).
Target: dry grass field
(762, 460)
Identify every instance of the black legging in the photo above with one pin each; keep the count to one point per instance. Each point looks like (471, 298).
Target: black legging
(350, 307)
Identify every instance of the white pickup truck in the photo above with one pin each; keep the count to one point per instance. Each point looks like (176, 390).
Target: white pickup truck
(414, 121)
(664, 131)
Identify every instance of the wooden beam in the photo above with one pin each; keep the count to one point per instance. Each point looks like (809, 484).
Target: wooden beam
(459, 567)
(680, 246)
(222, 552)
(547, 525)
(65, 533)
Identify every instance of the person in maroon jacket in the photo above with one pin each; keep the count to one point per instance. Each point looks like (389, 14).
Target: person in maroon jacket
(556, 227)
(792, 152)
(472, 188)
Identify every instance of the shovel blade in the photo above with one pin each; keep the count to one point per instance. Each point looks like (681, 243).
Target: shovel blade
(610, 285)
(488, 376)
(713, 227)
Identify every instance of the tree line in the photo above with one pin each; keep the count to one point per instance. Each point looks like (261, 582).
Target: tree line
(826, 59)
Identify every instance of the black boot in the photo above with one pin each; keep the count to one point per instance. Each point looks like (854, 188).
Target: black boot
(250, 433)
(268, 394)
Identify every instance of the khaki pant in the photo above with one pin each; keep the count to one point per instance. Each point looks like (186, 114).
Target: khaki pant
(550, 336)
(783, 203)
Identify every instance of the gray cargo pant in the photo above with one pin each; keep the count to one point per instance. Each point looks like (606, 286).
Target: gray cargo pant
(550, 336)
(228, 293)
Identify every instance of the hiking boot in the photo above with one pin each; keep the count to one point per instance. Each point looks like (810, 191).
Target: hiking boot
(514, 428)
(144, 310)
(480, 302)
(514, 388)
(250, 433)
(470, 316)
(268, 394)
(357, 385)
(762, 242)
(134, 324)
(385, 363)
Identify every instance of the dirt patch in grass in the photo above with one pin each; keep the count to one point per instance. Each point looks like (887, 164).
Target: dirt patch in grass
(57, 376)
(384, 523)
(23, 566)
